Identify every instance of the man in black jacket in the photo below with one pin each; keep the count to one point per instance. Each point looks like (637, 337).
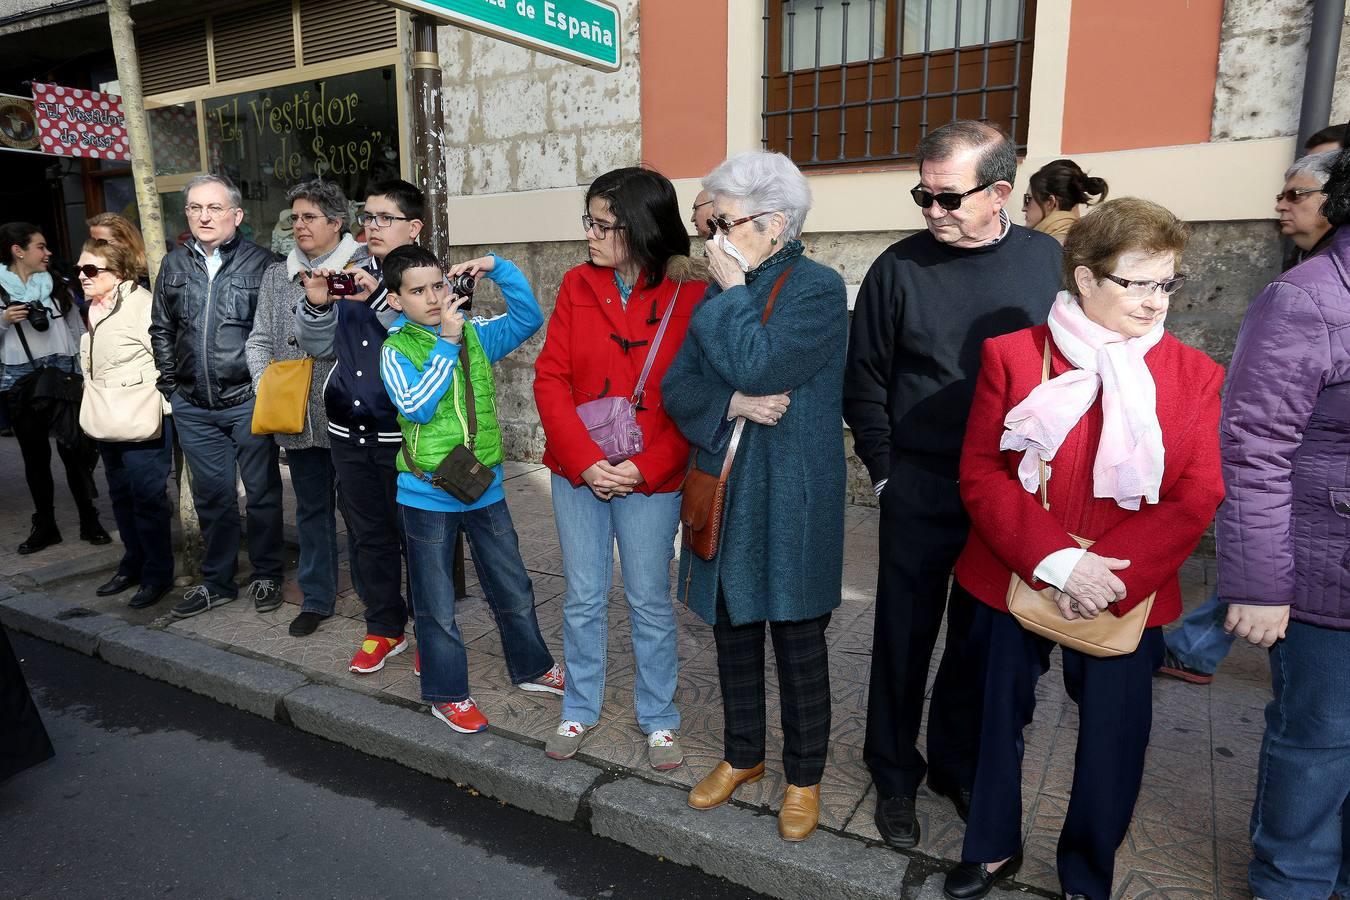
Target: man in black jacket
(205, 296)
(925, 307)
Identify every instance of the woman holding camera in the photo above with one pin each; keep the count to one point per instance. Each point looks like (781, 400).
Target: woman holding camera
(124, 411)
(323, 248)
(41, 328)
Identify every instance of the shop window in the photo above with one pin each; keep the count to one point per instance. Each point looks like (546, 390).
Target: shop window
(861, 81)
(173, 129)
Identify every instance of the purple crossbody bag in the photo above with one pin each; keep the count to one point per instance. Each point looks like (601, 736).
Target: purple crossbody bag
(612, 421)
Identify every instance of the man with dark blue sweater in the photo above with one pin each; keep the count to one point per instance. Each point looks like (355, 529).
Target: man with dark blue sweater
(362, 422)
(925, 307)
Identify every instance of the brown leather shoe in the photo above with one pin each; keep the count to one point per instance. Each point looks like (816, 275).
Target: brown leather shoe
(800, 813)
(718, 785)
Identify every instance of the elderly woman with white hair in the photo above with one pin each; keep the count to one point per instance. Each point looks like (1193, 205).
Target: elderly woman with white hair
(757, 389)
(323, 247)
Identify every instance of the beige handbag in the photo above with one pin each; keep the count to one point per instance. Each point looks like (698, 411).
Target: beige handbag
(1037, 612)
(122, 408)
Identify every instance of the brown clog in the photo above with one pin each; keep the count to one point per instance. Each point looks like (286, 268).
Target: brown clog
(718, 785)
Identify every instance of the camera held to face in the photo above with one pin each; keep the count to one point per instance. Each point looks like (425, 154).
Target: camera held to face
(462, 284)
(343, 284)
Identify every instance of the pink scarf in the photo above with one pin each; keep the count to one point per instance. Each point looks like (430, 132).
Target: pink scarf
(1129, 464)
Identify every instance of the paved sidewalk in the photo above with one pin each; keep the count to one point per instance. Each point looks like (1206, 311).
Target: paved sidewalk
(1189, 836)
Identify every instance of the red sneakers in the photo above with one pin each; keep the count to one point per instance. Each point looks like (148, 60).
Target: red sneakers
(374, 651)
(551, 682)
(464, 716)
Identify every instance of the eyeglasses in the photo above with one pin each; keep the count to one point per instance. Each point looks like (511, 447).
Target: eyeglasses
(1294, 195)
(948, 200)
(307, 218)
(720, 221)
(89, 270)
(215, 210)
(696, 206)
(380, 219)
(1026, 200)
(601, 229)
(1139, 290)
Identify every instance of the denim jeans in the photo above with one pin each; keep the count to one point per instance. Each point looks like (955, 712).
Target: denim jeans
(316, 524)
(1200, 641)
(430, 540)
(138, 476)
(1301, 818)
(645, 529)
(216, 442)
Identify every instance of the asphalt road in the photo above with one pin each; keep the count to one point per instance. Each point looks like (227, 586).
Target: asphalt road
(156, 791)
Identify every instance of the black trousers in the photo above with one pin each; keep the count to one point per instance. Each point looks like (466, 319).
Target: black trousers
(23, 739)
(368, 491)
(138, 477)
(1115, 713)
(33, 433)
(803, 683)
(923, 529)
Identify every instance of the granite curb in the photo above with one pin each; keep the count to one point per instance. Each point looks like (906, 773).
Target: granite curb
(736, 843)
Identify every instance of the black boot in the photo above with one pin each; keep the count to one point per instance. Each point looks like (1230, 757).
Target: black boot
(43, 535)
(91, 530)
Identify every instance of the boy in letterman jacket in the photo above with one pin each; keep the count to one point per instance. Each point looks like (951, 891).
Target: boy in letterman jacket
(363, 423)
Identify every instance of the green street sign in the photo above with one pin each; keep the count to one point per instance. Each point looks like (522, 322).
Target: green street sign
(583, 31)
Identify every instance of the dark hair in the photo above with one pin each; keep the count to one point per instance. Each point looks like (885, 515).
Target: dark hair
(998, 161)
(121, 259)
(1332, 134)
(1337, 205)
(407, 197)
(1067, 183)
(1116, 228)
(643, 201)
(401, 259)
(15, 233)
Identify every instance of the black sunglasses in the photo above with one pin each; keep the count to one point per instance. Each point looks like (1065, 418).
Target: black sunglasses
(948, 200)
(89, 270)
(720, 222)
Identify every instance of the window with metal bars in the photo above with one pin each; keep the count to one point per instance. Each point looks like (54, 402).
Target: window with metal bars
(861, 81)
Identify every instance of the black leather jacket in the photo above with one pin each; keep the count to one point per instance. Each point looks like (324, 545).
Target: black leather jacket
(198, 326)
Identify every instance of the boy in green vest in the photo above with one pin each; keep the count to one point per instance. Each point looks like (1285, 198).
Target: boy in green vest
(437, 368)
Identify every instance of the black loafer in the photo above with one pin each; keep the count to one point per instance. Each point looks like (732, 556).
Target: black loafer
(116, 585)
(969, 881)
(149, 595)
(959, 796)
(897, 822)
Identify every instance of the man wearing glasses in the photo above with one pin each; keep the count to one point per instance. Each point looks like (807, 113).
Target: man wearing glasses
(924, 309)
(205, 297)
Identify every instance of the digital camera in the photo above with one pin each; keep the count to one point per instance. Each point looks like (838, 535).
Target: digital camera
(38, 316)
(343, 284)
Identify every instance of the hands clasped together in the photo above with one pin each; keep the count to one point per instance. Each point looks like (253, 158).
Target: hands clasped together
(1092, 586)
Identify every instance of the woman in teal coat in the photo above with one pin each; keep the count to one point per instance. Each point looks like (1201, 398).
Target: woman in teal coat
(782, 545)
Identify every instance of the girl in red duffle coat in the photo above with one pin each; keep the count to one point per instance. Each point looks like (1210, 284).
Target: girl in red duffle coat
(1127, 423)
(603, 329)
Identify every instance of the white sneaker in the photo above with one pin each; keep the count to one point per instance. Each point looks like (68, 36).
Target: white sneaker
(551, 682)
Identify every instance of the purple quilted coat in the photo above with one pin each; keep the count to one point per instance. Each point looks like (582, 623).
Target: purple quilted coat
(1284, 529)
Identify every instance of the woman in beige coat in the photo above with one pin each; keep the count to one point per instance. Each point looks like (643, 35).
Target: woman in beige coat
(128, 417)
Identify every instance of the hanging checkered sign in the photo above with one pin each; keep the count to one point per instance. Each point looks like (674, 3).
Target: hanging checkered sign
(72, 122)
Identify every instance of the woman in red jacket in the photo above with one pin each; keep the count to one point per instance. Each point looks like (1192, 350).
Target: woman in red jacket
(1126, 421)
(606, 327)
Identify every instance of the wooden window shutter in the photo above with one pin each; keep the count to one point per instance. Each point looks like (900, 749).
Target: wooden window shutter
(173, 59)
(333, 29)
(253, 40)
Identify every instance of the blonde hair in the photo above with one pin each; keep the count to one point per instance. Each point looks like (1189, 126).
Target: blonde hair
(120, 258)
(128, 235)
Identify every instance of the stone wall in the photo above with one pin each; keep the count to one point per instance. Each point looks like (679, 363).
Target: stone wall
(1263, 50)
(516, 120)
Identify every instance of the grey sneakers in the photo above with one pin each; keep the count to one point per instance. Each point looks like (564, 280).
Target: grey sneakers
(663, 750)
(564, 743)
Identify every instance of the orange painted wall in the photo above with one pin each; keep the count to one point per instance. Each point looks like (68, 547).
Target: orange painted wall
(683, 49)
(1141, 73)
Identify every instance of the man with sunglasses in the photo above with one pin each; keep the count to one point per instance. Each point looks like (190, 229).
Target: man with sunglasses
(924, 309)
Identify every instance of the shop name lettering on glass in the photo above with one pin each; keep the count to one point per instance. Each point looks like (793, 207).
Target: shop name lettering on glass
(72, 136)
(309, 125)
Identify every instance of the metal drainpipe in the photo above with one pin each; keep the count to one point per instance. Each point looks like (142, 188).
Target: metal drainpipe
(1324, 45)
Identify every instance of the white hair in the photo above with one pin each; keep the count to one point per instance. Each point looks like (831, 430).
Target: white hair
(764, 182)
(1315, 165)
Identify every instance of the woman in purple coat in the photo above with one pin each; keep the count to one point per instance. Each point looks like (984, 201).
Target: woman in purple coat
(1284, 556)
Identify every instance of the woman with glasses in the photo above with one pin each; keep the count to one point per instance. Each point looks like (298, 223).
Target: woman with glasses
(1054, 194)
(619, 315)
(40, 328)
(128, 416)
(1098, 426)
(323, 248)
(760, 382)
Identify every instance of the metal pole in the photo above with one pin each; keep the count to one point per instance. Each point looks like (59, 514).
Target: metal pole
(429, 135)
(1320, 75)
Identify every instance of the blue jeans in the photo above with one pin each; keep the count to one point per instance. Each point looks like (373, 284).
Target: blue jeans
(138, 477)
(216, 442)
(1301, 818)
(316, 524)
(430, 540)
(1200, 641)
(645, 528)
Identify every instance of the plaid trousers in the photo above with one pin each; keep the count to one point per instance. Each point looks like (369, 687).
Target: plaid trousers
(803, 683)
